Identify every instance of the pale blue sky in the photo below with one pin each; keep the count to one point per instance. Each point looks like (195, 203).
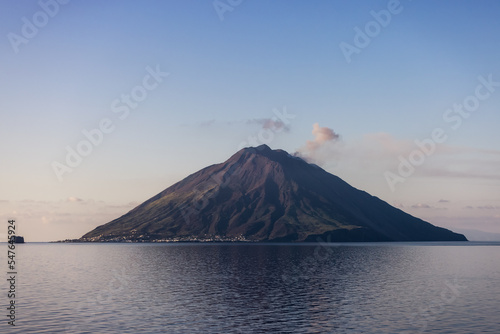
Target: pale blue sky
(224, 75)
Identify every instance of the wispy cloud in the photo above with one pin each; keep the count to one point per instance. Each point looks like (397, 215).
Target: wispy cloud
(426, 206)
(488, 207)
(483, 207)
(421, 206)
(270, 123)
(207, 123)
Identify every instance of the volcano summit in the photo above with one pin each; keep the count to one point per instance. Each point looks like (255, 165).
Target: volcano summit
(261, 194)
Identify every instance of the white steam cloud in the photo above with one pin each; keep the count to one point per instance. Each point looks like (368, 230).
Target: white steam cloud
(322, 135)
(321, 149)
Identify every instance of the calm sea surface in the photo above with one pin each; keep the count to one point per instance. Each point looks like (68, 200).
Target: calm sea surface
(255, 288)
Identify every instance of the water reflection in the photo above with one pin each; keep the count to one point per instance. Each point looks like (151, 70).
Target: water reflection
(257, 288)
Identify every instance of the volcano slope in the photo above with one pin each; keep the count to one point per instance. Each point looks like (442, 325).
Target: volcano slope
(261, 194)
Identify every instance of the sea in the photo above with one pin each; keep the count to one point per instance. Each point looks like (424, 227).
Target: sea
(449, 287)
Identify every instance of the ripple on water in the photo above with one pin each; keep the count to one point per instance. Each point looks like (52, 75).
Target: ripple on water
(196, 288)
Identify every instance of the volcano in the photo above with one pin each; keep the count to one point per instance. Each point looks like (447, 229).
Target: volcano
(260, 194)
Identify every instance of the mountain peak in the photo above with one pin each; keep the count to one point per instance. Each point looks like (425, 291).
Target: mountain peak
(277, 155)
(261, 148)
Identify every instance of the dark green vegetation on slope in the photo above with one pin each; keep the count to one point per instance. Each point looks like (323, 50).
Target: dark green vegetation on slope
(261, 194)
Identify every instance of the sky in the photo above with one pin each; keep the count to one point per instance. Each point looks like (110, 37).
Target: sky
(106, 103)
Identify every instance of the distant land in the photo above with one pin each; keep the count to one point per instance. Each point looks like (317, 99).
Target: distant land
(260, 194)
(476, 235)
